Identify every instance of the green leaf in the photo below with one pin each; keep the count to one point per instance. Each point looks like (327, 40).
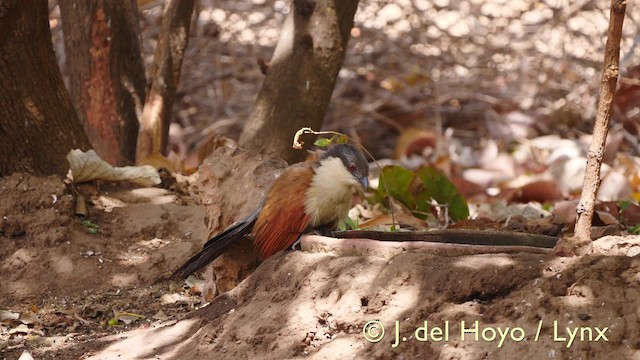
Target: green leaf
(458, 208)
(395, 182)
(90, 227)
(353, 224)
(635, 229)
(323, 142)
(423, 204)
(439, 188)
(623, 204)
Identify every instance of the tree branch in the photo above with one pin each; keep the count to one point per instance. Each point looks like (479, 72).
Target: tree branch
(172, 42)
(581, 244)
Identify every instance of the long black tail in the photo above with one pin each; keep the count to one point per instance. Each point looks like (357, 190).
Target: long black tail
(216, 246)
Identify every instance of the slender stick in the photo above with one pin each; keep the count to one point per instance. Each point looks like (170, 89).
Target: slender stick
(581, 244)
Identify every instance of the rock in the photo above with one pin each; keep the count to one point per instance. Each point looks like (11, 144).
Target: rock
(232, 184)
(617, 245)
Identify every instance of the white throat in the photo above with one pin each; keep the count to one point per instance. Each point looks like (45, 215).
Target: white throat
(329, 196)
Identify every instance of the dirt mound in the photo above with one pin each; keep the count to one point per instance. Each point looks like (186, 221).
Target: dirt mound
(68, 285)
(301, 305)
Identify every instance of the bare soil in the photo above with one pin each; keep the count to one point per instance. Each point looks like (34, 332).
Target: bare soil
(300, 304)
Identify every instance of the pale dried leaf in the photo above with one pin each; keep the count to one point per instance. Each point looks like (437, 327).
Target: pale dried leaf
(25, 356)
(401, 218)
(8, 315)
(607, 218)
(614, 186)
(28, 318)
(22, 328)
(87, 166)
(160, 315)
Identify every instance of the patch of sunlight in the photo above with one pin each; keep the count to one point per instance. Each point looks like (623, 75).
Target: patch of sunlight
(19, 258)
(576, 301)
(470, 308)
(450, 352)
(423, 5)
(256, 17)
(155, 196)
(123, 280)
(149, 193)
(35, 111)
(268, 37)
(62, 264)
(133, 259)
(482, 260)
(340, 348)
(152, 244)
(161, 200)
(403, 302)
(147, 343)
(556, 265)
(107, 204)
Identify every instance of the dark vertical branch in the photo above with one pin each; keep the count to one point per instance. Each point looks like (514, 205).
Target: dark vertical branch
(173, 40)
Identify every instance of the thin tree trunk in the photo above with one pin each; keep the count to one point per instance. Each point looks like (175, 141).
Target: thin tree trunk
(106, 71)
(167, 65)
(301, 75)
(38, 124)
(581, 242)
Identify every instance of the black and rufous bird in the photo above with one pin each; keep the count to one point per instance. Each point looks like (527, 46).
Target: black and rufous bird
(312, 195)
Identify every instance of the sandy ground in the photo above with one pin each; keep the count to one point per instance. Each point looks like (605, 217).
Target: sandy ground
(67, 284)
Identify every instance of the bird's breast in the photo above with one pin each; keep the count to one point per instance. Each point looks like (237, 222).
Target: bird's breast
(328, 198)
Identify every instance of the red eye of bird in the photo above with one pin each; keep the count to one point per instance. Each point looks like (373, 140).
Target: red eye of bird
(351, 167)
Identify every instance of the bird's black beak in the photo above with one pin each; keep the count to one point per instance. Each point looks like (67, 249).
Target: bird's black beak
(364, 181)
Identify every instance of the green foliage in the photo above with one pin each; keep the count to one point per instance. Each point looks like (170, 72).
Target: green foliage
(438, 187)
(624, 205)
(348, 224)
(336, 139)
(395, 182)
(352, 223)
(322, 142)
(90, 227)
(417, 190)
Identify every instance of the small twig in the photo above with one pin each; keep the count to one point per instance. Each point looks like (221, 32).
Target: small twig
(446, 216)
(297, 144)
(581, 243)
(374, 114)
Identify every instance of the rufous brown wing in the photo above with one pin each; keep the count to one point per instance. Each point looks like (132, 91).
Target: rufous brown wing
(283, 218)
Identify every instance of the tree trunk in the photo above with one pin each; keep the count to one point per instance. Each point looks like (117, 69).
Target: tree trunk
(301, 75)
(107, 78)
(167, 65)
(38, 124)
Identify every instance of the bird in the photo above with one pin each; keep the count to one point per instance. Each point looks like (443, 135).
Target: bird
(314, 195)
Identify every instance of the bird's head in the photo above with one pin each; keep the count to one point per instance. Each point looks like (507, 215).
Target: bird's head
(352, 160)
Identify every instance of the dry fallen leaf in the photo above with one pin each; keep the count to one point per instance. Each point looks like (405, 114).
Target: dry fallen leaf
(8, 315)
(400, 218)
(25, 356)
(87, 166)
